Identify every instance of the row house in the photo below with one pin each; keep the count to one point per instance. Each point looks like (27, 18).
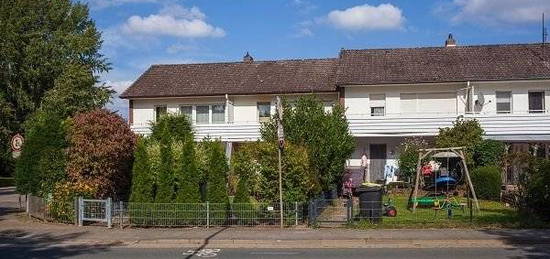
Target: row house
(389, 95)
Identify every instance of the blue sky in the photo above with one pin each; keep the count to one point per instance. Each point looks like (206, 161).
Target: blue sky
(138, 33)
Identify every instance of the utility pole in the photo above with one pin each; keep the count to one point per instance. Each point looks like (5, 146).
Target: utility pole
(544, 37)
(281, 140)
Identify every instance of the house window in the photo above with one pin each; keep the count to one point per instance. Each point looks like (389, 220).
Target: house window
(203, 114)
(187, 110)
(377, 104)
(264, 111)
(218, 113)
(504, 102)
(536, 102)
(159, 111)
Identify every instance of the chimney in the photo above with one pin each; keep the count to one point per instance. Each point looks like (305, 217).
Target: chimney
(247, 58)
(450, 42)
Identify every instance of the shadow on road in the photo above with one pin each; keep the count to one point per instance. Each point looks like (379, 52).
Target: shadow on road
(206, 241)
(532, 242)
(21, 244)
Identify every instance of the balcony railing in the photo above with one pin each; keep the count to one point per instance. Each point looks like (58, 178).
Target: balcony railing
(398, 125)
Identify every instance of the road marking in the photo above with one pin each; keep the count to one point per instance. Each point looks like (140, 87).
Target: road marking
(207, 252)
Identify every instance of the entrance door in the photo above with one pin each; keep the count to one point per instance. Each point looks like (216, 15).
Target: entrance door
(377, 161)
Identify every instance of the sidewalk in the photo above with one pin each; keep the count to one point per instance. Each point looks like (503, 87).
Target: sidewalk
(18, 228)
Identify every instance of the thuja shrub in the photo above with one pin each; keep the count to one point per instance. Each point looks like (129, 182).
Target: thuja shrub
(101, 148)
(487, 182)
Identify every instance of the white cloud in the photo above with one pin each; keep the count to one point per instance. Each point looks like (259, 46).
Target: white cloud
(498, 11)
(367, 17)
(173, 20)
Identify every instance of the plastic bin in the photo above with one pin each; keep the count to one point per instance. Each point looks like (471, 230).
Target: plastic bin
(370, 203)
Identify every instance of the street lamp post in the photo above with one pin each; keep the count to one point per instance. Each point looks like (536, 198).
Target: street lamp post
(281, 140)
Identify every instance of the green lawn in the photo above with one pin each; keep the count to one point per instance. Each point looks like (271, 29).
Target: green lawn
(492, 215)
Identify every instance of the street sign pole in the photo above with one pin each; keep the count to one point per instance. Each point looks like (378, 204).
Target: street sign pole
(281, 140)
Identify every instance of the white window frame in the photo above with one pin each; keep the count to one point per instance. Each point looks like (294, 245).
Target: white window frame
(543, 101)
(497, 102)
(212, 113)
(375, 105)
(258, 111)
(194, 113)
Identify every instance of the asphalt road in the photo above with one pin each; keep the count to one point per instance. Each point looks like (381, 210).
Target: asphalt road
(119, 252)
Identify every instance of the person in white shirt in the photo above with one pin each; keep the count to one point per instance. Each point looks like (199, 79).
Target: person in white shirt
(365, 167)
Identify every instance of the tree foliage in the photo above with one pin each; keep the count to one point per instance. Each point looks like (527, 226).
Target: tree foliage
(188, 175)
(535, 186)
(43, 158)
(408, 155)
(165, 184)
(256, 164)
(463, 133)
(216, 168)
(101, 147)
(489, 152)
(487, 182)
(47, 48)
(325, 135)
(142, 180)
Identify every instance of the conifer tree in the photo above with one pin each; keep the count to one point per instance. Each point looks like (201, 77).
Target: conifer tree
(188, 175)
(216, 189)
(165, 184)
(243, 192)
(142, 180)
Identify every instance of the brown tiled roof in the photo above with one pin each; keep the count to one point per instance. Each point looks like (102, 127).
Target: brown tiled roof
(258, 77)
(443, 64)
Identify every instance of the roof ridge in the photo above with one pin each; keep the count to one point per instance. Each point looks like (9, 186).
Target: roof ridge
(241, 62)
(443, 47)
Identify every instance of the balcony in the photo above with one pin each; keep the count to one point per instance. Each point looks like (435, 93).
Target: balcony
(495, 125)
(231, 132)
(498, 126)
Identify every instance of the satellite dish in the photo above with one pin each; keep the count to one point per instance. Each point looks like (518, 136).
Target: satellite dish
(480, 99)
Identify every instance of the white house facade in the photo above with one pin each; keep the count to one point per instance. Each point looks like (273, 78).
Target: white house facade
(389, 94)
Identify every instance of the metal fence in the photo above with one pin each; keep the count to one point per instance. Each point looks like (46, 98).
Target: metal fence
(206, 214)
(85, 211)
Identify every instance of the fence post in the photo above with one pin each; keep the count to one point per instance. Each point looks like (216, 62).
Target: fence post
(80, 211)
(76, 211)
(296, 212)
(120, 210)
(207, 215)
(108, 212)
(27, 204)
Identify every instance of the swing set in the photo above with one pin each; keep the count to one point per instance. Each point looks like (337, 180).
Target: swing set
(438, 184)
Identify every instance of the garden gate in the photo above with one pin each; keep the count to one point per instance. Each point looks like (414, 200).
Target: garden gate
(95, 211)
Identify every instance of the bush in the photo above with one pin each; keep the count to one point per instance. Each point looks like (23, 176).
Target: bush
(187, 175)
(487, 182)
(463, 133)
(536, 187)
(216, 172)
(101, 153)
(42, 161)
(489, 153)
(408, 156)
(243, 193)
(257, 163)
(142, 180)
(165, 184)
(326, 136)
